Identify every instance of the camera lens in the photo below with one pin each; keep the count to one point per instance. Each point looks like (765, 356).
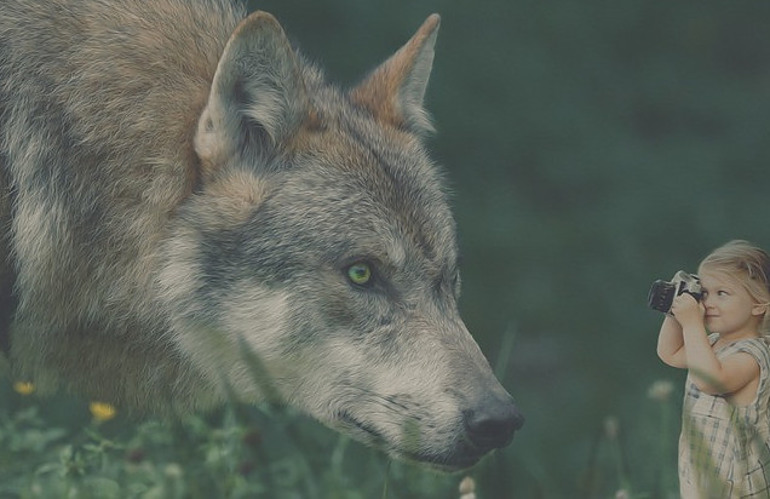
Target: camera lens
(661, 296)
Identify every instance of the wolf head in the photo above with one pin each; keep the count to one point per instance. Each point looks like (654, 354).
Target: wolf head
(317, 260)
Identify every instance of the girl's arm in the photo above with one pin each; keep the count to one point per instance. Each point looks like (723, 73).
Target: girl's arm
(671, 343)
(709, 374)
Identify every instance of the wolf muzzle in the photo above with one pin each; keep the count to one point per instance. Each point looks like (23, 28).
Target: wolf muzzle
(491, 423)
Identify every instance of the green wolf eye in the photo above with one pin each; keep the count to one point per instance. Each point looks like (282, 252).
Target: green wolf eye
(360, 273)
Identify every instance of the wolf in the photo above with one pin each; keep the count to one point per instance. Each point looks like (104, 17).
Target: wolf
(186, 201)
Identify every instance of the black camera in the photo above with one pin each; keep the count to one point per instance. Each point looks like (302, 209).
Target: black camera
(662, 293)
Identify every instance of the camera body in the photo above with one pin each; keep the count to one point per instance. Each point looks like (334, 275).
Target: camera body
(662, 293)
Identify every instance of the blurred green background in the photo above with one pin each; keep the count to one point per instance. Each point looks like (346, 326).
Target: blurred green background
(592, 148)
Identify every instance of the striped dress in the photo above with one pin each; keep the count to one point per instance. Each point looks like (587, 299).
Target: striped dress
(724, 451)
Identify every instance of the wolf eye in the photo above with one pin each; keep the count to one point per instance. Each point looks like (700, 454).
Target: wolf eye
(360, 273)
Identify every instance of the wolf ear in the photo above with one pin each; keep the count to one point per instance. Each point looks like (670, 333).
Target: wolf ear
(395, 91)
(257, 97)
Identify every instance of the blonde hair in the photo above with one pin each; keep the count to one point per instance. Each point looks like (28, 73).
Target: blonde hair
(749, 265)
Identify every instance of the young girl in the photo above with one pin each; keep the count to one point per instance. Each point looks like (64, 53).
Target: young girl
(724, 447)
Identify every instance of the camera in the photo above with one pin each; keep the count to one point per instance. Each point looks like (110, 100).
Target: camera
(662, 293)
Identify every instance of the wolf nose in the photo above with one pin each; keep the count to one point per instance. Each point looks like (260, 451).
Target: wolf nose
(491, 426)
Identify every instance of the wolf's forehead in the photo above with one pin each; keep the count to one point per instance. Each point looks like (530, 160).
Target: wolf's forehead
(397, 176)
(383, 179)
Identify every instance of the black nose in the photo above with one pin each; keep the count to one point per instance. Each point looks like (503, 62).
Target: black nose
(492, 423)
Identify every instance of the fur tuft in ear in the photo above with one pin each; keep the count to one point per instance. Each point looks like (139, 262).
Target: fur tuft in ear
(257, 97)
(395, 91)
(232, 198)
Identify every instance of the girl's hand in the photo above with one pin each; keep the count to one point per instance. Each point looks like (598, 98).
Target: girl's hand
(688, 311)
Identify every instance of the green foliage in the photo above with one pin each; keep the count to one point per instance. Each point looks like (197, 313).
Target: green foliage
(236, 452)
(270, 452)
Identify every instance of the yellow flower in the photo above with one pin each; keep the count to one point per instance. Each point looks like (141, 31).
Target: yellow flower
(102, 411)
(24, 387)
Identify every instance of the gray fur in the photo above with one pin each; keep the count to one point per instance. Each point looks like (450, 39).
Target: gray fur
(181, 195)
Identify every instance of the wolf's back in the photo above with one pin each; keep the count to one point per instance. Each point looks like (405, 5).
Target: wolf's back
(98, 106)
(109, 91)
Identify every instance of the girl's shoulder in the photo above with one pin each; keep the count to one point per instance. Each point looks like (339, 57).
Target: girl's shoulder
(757, 347)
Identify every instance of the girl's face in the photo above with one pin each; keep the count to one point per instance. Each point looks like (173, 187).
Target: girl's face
(730, 309)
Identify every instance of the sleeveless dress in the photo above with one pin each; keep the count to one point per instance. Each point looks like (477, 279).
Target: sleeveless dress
(724, 450)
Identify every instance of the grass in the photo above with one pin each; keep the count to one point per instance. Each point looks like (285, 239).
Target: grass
(236, 452)
(71, 448)
(61, 447)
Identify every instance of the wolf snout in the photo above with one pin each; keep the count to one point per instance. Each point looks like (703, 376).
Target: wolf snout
(492, 423)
